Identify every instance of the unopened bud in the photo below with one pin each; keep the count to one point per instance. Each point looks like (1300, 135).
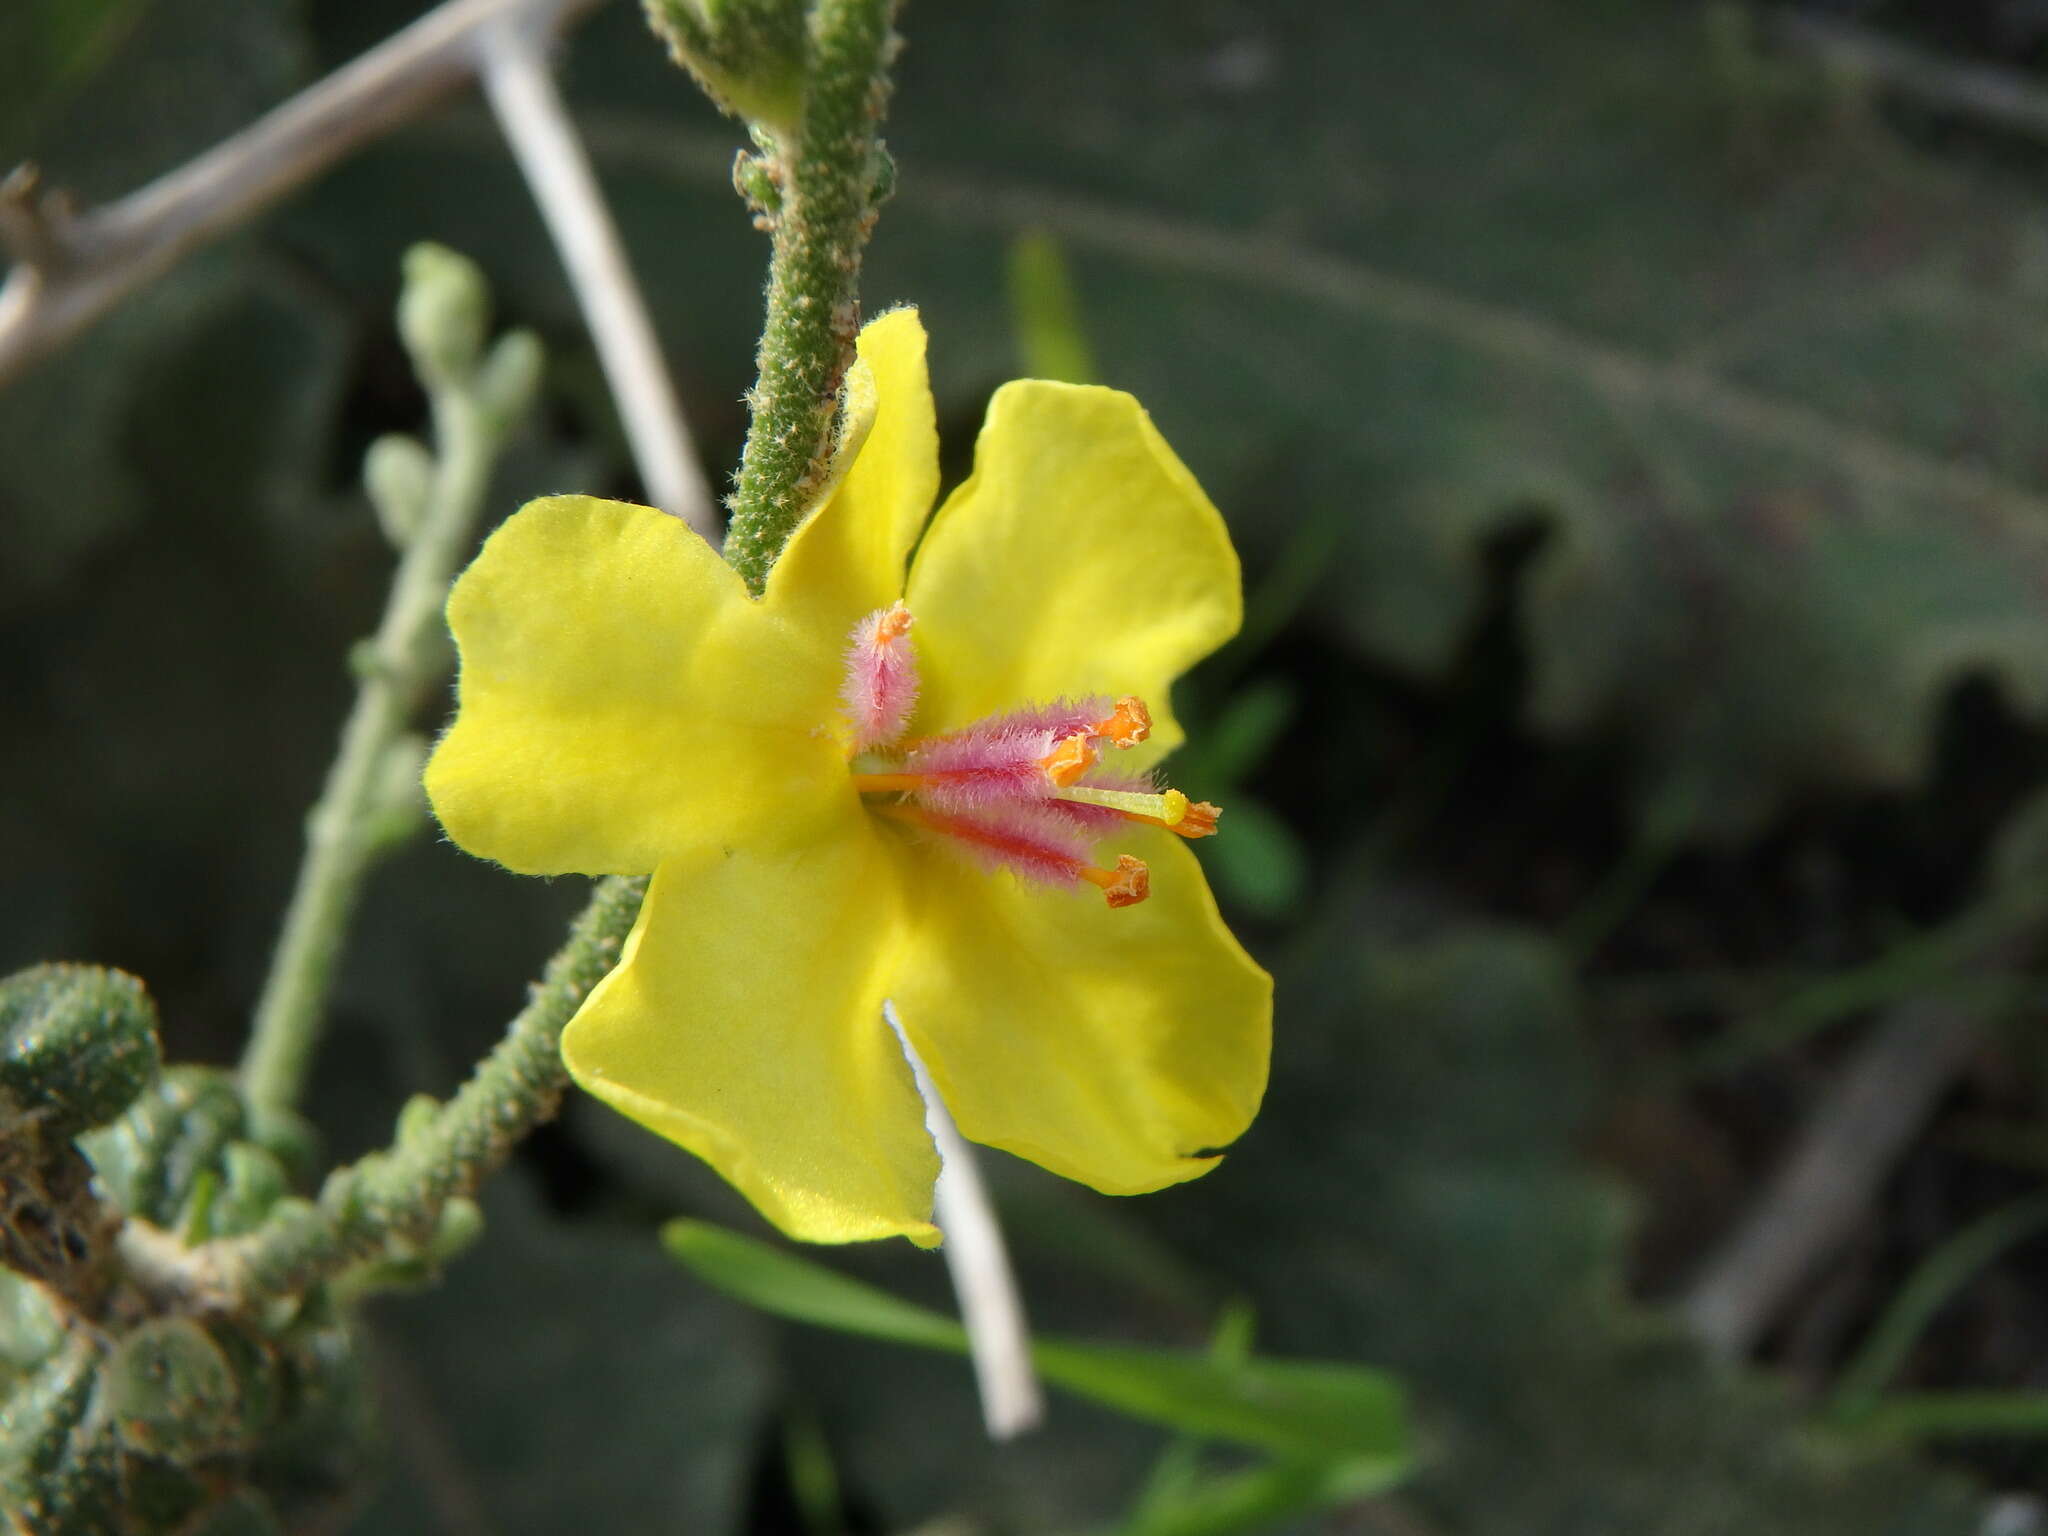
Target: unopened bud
(252, 1181)
(77, 1045)
(170, 1392)
(443, 313)
(747, 54)
(398, 473)
(399, 811)
(508, 383)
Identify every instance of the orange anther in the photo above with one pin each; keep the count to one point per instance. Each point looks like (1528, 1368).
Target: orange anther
(1200, 820)
(1066, 762)
(1126, 885)
(893, 624)
(1128, 724)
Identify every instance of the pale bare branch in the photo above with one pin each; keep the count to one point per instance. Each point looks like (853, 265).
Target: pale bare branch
(70, 271)
(535, 123)
(998, 1337)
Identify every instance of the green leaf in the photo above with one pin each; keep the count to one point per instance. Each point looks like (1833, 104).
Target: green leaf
(1415, 1194)
(789, 1287)
(554, 1380)
(1294, 1408)
(1936, 1279)
(1258, 860)
(1534, 265)
(47, 49)
(1052, 342)
(1258, 1499)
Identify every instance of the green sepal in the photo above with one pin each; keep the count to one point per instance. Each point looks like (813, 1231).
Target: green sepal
(252, 1182)
(151, 1158)
(77, 1046)
(444, 313)
(398, 477)
(57, 1470)
(748, 55)
(508, 382)
(406, 1267)
(758, 180)
(326, 1438)
(169, 1391)
(30, 1331)
(399, 810)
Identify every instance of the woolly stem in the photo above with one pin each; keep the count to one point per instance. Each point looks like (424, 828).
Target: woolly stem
(830, 179)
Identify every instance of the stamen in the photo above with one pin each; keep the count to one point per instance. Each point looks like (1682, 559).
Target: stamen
(1128, 724)
(1065, 763)
(1029, 842)
(1126, 885)
(880, 688)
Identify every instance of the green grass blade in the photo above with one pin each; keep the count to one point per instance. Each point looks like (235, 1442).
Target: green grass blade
(1298, 1409)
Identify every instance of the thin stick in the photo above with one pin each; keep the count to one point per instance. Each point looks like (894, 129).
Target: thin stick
(552, 158)
(998, 1336)
(1992, 95)
(76, 268)
(1827, 1182)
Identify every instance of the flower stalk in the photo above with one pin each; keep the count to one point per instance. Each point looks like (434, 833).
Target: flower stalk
(830, 179)
(395, 1198)
(429, 508)
(827, 178)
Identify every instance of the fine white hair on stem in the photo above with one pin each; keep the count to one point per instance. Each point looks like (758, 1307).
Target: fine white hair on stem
(512, 59)
(997, 1334)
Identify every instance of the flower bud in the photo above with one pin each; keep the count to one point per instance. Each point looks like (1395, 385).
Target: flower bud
(747, 54)
(443, 314)
(508, 383)
(77, 1045)
(152, 1158)
(398, 473)
(170, 1392)
(400, 808)
(252, 1180)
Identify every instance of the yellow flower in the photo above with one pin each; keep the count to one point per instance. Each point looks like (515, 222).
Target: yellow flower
(627, 707)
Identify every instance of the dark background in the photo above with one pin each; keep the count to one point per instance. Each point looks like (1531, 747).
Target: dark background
(1633, 426)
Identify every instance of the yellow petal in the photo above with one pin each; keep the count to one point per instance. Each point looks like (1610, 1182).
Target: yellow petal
(1080, 557)
(622, 699)
(848, 559)
(744, 1023)
(1116, 1047)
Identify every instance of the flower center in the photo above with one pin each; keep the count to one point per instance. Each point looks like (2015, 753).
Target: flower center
(1025, 790)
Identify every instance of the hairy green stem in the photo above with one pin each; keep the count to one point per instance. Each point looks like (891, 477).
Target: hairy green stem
(406, 657)
(399, 1194)
(829, 184)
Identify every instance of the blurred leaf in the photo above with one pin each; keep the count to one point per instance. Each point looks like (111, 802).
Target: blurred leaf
(1292, 1407)
(1257, 860)
(1052, 343)
(1936, 1279)
(1413, 1194)
(555, 1381)
(1245, 729)
(803, 1292)
(45, 46)
(1780, 414)
(1256, 1500)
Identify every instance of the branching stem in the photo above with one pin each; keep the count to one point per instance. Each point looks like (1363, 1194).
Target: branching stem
(407, 656)
(399, 1194)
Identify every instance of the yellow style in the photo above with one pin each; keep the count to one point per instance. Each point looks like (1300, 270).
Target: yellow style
(626, 706)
